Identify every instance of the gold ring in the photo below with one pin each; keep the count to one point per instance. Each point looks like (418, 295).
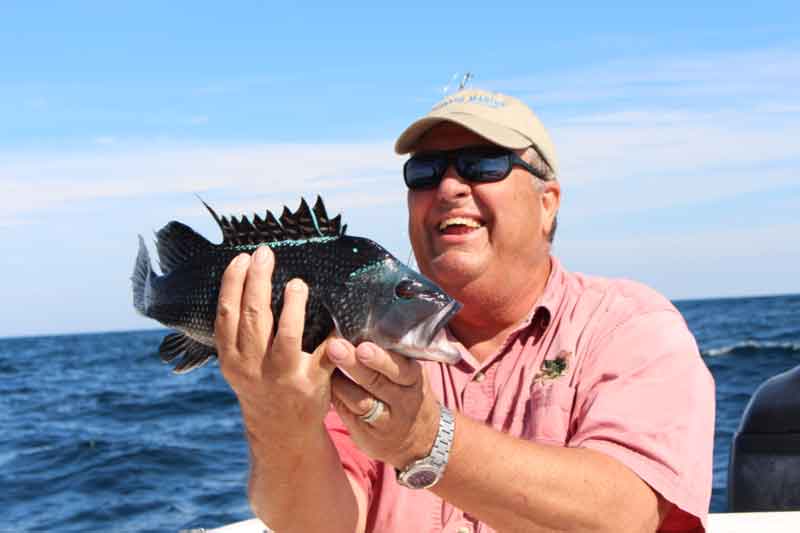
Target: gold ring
(374, 412)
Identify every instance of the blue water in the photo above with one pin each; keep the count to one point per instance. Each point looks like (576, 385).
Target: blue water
(96, 431)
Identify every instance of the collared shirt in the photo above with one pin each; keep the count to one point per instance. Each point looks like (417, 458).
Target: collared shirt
(598, 363)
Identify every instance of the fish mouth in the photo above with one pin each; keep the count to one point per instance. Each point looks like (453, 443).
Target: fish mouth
(419, 342)
(430, 328)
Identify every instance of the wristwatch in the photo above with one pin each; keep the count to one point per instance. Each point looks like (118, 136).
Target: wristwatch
(426, 472)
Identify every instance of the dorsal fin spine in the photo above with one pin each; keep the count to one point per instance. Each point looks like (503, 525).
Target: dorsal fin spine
(304, 223)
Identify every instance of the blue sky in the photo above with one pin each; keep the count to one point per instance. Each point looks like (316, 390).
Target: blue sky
(676, 128)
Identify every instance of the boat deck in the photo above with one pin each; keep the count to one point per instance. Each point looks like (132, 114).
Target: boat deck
(785, 522)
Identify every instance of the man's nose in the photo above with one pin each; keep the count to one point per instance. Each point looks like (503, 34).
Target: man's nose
(452, 184)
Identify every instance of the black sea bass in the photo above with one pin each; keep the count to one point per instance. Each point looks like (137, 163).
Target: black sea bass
(354, 285)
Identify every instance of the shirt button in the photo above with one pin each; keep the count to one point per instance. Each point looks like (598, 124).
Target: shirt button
(480, 376)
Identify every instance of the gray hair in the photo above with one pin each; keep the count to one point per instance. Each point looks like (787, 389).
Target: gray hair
(543, 173)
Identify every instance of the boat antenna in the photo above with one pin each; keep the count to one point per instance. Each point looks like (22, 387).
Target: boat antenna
(465, 80)
(446, 88)
(451, 85)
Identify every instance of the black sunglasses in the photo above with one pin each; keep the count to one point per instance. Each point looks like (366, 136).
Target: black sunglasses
(481, 164)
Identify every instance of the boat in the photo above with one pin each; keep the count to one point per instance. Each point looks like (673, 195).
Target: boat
(765, 522)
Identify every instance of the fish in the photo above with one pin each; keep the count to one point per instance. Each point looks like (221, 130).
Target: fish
(356, 287)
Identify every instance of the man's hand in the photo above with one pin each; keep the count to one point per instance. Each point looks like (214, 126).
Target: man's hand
(297, 482)
(284, 393)
(407, 428)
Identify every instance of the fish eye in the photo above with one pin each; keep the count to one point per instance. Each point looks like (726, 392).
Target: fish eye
(406, 289)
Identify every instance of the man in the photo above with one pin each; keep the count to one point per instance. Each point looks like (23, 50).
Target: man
(580, 404)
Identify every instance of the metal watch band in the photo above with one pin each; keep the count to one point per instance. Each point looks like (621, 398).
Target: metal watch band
(436, 461)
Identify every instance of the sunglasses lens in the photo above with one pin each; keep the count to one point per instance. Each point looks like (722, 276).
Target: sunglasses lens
(484, 167)
(424, 172)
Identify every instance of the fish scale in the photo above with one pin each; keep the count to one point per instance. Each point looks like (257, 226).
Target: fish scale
(353, 285)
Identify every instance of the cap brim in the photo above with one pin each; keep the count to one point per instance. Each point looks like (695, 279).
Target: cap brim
(499, 135)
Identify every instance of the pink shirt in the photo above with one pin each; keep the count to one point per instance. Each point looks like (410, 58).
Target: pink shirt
(634, 387)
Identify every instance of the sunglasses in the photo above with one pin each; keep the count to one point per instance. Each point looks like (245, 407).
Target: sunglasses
(480, 164)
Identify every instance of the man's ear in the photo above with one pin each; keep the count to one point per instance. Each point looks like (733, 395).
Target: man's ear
(551, 200)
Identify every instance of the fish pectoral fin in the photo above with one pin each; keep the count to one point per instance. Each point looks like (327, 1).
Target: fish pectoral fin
(329, 308)
(192, 354)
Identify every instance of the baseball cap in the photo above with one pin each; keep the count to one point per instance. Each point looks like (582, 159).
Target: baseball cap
(499, 118)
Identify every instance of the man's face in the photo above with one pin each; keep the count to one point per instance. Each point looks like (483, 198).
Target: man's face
(477, 236)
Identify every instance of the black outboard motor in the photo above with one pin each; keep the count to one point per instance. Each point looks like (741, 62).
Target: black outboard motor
(764, 468)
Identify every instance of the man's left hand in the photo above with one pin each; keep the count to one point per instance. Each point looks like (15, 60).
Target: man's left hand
(407, 427)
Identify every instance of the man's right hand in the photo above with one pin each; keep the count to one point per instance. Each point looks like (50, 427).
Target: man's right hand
(284, 393)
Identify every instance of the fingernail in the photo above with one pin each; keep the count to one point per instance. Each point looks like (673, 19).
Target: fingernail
(365, 352)
(261, 255)
(336, 350)
(241, 259)
(296, 285)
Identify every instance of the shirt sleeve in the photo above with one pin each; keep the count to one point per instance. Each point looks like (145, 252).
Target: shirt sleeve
(356, 463)
(646, 398)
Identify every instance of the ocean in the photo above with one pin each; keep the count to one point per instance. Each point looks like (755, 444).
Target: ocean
(97, 432)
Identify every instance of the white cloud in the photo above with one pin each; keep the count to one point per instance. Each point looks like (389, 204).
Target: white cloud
(637, 144)
(662, 131)
(737, 74)
(779, 107)
(650, 116)
(700, 263)
(30, 184)
(614, 157)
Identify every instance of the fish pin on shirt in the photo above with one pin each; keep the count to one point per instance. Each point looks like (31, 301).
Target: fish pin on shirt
(553, 368)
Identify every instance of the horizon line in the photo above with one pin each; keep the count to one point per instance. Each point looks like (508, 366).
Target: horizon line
(164, 328)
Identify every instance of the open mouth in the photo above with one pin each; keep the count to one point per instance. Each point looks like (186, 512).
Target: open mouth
(426, 331)
(459, 225)
(419, 341)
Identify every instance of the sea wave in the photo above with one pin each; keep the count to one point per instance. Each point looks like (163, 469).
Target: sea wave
(749, 347)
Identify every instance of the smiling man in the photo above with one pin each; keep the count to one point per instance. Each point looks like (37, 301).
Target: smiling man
(580, 403)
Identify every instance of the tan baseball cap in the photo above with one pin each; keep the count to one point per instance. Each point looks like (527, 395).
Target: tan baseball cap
(503, 120)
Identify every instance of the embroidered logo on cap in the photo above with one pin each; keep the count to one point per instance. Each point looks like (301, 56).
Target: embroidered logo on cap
(484, 99)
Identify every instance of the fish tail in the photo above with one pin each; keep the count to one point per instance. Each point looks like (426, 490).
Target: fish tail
(141, 278)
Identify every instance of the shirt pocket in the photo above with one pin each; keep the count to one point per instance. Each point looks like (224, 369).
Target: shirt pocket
(549, 412)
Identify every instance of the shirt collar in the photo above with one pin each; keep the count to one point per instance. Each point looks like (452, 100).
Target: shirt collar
(545, 307)
(539, 316)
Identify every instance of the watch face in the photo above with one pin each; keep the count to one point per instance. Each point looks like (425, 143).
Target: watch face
(422, 478)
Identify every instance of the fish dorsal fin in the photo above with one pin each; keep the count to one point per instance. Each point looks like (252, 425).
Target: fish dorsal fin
(304, 223)
(176, 243)
(327, 226)
(300, 224)
(228, 231)
(246, 231)
(270, 226)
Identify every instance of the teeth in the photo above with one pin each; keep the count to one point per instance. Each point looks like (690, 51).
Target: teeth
(461, 221)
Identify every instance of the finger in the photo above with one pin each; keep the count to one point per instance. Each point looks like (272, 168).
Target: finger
(255, 322)
(351, 396)
(226, 322)
(287, 345)
(344, 356)
(321, 358)
(340, 352)
(397, 368)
